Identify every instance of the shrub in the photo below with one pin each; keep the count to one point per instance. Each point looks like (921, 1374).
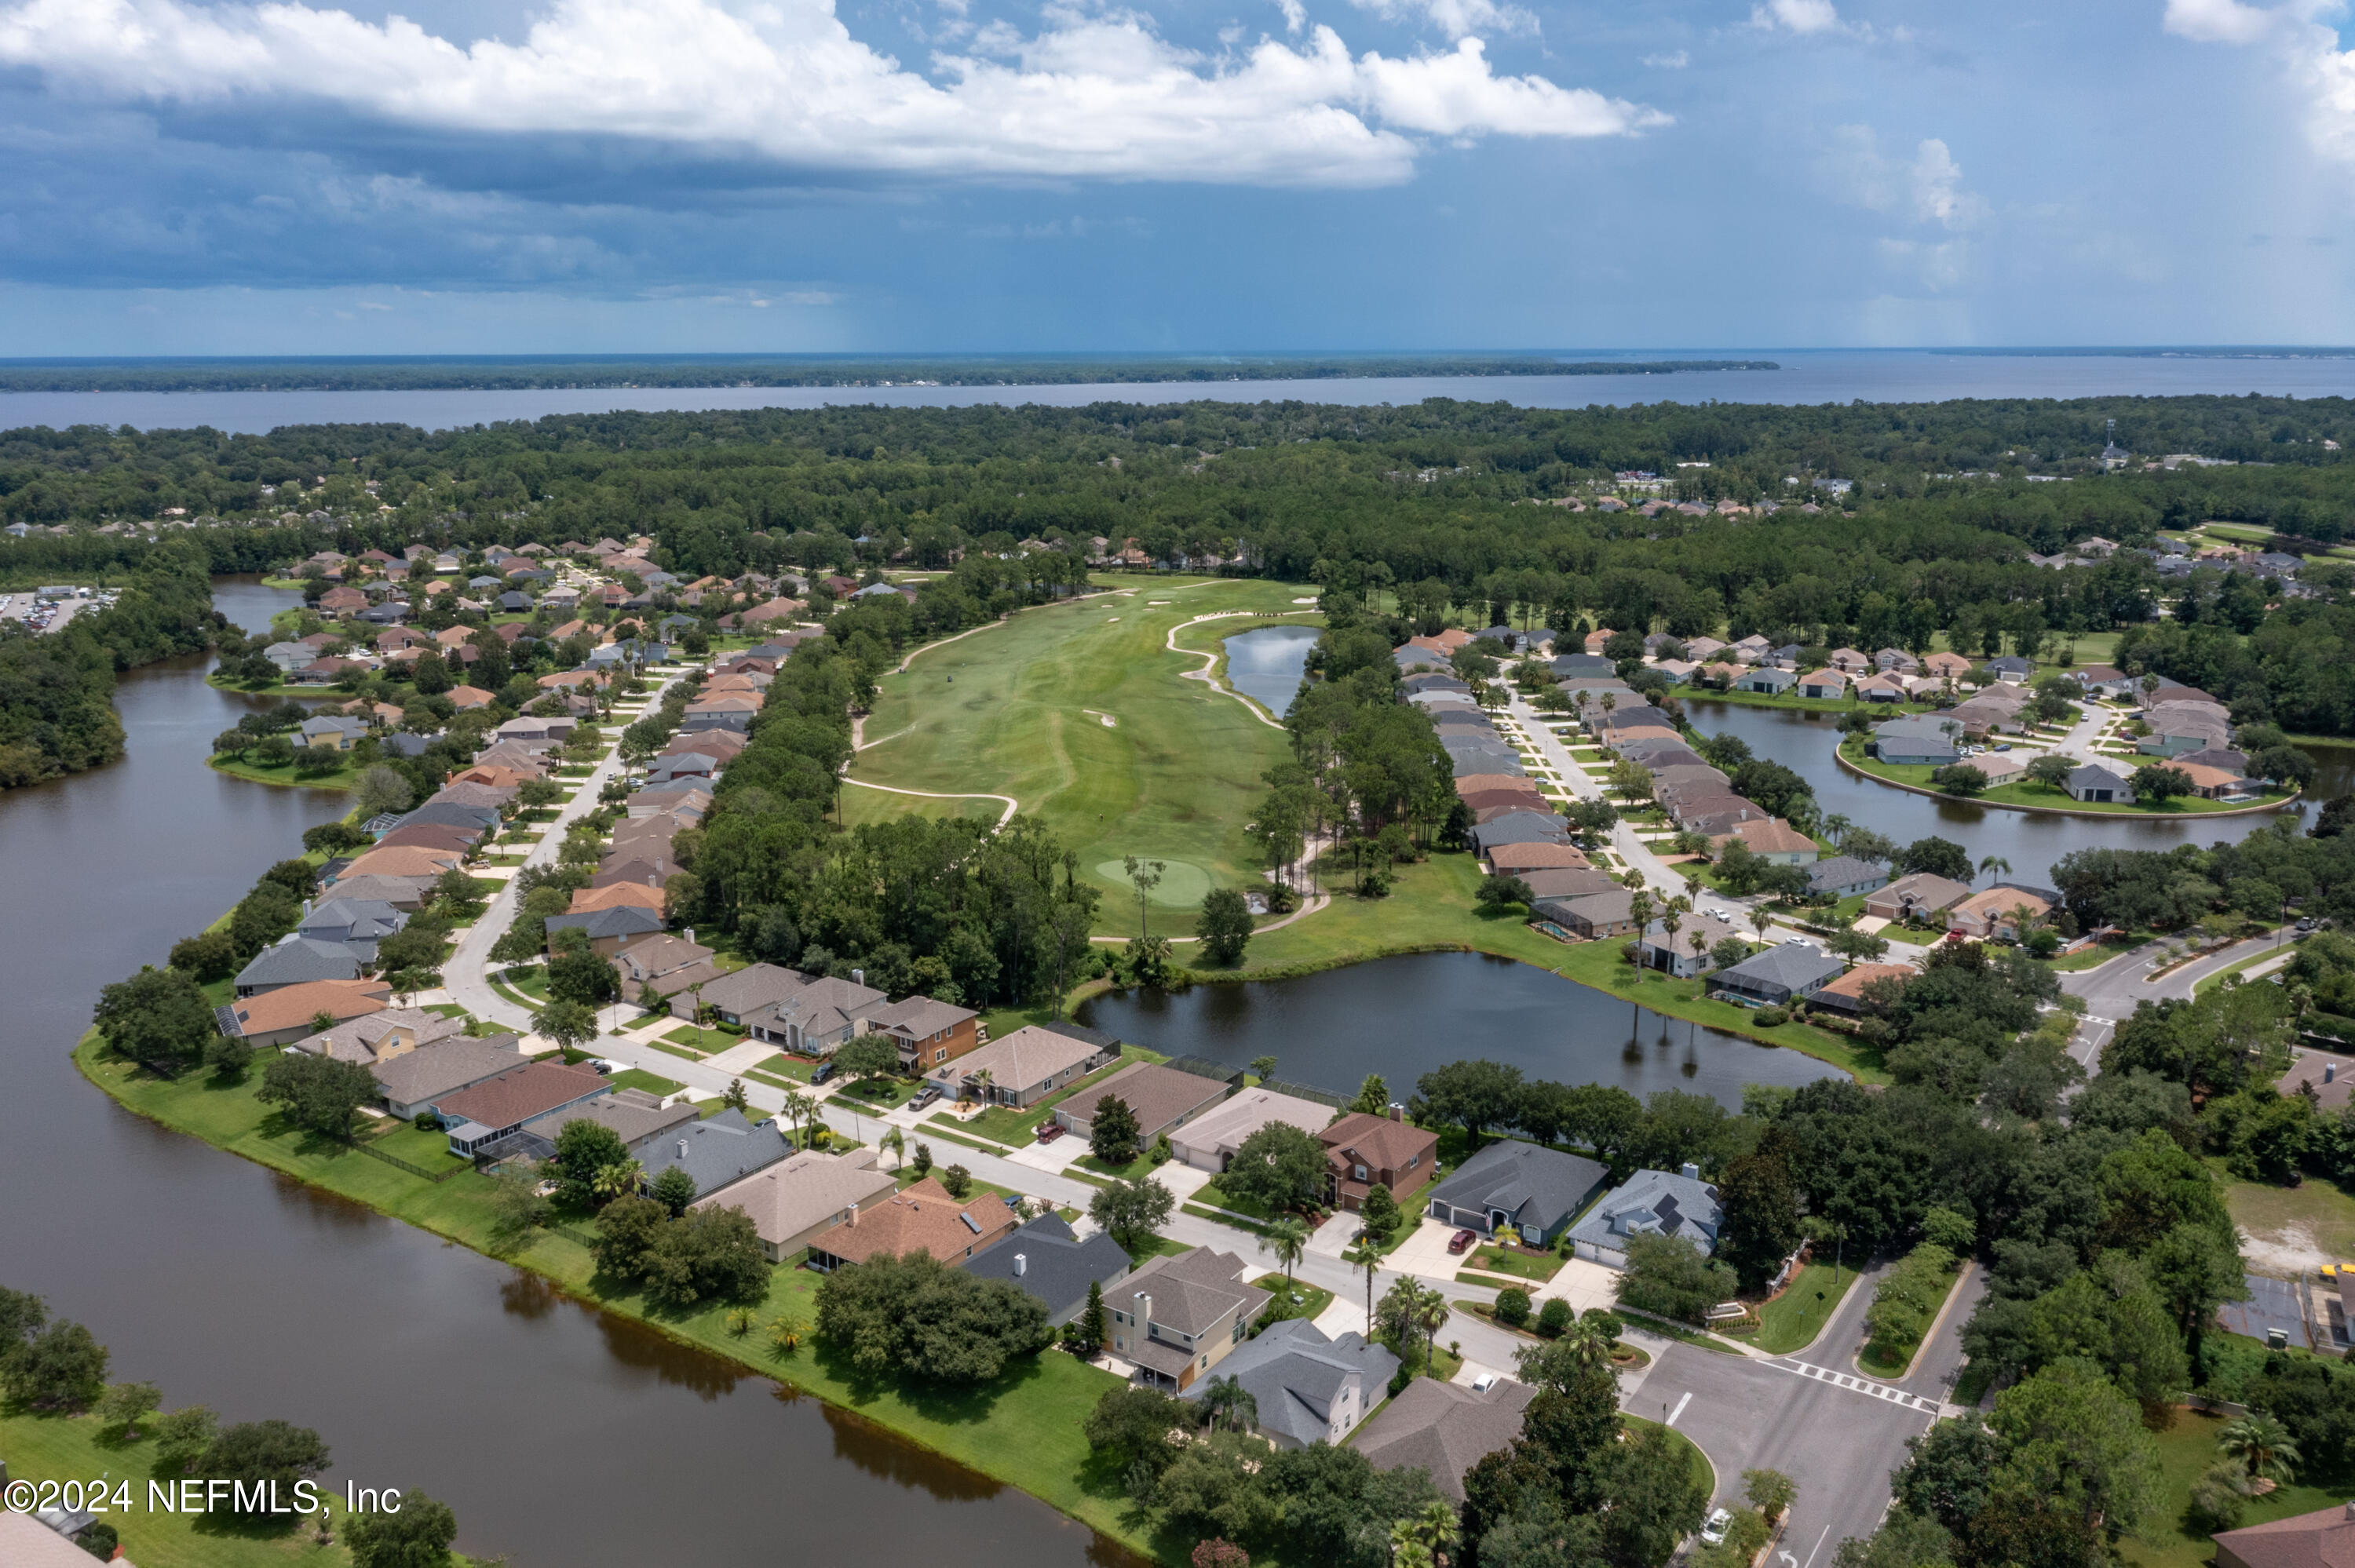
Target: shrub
(1512, 1307)
(1773, 1017)
(427, 1121)
(1554, 1319)
(2219, 1498)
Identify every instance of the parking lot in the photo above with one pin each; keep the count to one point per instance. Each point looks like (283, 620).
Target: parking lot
(41, 614)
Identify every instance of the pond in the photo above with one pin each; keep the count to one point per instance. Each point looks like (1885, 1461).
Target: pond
(1266, 665)
(2031, 841)
(1401, 1017)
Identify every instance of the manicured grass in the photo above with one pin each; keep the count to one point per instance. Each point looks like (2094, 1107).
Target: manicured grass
(1023, 1429)
(883, 1093)
(62, 1448)
(404, 1140)
(860, 806)
(344, 778)
(2095, 957)
(1143, 1165)
(1536, 1267)
(1212, 1194)
(639, 1078)
(1017, 1125)
(936, 1128)
(1793, 1320)
(1313, 1298)
(1005, 710)
(777, 1066)
(2043, 797)
(2282, 951)
(706, 1040)
(2186, 1446)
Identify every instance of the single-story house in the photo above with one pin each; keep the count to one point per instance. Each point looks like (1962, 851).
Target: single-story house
(359, 924)
(1518, 1189)
(1568, 882)
(1767, 678)
(484, 1112)
(1164, 1099)
(718, 1149)
(1777, 975)
(921, 1218)
(382, 1035)
(1920, 894)
(1516, 860)
(1823, 685)
(1651, 1202)
(794, 1200)
(2011, 669)
(1996, 912)
(1881, 689)
(1913, 742)
(1444, 1428)
(1676, 955)
(413, 1080)
(1177, 1317)
(1209, 1142)
(294, 959)
(638, 1118)
(1847, 994)
(2095, 786)
(1772, 840)
(1046, 1260)
(1596, 914)
(1844, 876)
(2323, 1539)
(734, 997)
(1363, 1149)
(1024, 1067)
(819, 1018)
(1306, 1387)
(284, 1013)
(334, 732)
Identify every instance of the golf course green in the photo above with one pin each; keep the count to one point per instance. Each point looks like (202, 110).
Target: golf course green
(1018, 709)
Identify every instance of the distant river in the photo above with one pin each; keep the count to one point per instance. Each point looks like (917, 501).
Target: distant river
(2031, 842)
(1401, 1017)
(1808, 375)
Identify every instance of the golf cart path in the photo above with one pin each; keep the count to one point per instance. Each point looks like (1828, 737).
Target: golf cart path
(1211, 658)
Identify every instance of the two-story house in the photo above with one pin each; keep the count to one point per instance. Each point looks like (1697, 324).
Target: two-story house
(1362, 1149)
(1176, 1318)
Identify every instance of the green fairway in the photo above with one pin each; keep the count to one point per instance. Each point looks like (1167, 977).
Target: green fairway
(1018, 709)
(862, 806)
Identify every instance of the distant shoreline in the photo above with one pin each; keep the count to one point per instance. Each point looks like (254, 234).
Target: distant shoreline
(620, 373)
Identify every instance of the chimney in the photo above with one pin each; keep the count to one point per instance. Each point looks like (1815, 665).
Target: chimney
(858, 976)
(691, 933)
(682, 1148)
(1692, 1171)
(1021, 1263)
(1398, 1111)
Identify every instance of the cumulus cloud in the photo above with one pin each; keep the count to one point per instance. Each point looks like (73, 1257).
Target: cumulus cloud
(782, 81)
(1677, 61)
(1797, 16)
(2217, 21)
(2309, 51)
(1928, 187)
(1456, 19)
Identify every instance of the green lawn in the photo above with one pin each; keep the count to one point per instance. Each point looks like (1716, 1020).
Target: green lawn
(1023, 1429)
(860, 807)
(639, 1078)
(1143, 1165)
(777, 1066)
(1017, 1125)
(344, 778)
(1012, 710)
(708, 1040)
(1536, 1267)
(1793, 1320)
(1213, 1195)
(405, 1142)
(2043, 797)
(1313, 1298)
(2185, 1447)
(880, 1092)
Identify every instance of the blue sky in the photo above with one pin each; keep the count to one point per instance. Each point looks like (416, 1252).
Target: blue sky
(614, 175)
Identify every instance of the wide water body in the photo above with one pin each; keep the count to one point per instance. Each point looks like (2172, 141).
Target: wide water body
(1401, 1017)
(1266, 665)
(1808, 375)
(564, 1438)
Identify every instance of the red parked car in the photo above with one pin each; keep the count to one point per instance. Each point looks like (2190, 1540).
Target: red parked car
(1462, 1241)
(1049, 1131)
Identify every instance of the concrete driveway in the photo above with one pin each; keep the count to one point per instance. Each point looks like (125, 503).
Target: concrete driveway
(1424, 1253)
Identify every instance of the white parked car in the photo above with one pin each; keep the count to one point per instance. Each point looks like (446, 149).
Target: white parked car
(1720, 1521)
(1484, 1383)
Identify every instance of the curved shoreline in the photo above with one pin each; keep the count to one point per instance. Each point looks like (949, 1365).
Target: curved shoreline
(1842, 759)
(1212, 673)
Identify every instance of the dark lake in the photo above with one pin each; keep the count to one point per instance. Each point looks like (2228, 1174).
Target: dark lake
(1401, 1017)
(1266, 665)
(564, 1436)
(2031, 842)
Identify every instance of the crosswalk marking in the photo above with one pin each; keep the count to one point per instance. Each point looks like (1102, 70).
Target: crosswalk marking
(1862, 1385)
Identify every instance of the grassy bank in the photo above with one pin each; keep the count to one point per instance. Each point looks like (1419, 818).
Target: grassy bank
(2028, 796)
(1023, 1430)
(347, 776)
(1172, 778)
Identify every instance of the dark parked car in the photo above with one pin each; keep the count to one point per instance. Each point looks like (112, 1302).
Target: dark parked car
(1049, 1131)
(824, 1071)
(1462, 1241)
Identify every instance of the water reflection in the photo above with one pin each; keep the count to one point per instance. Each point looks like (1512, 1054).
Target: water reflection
(1266, 665)
(526, 1295)
(886, 1457)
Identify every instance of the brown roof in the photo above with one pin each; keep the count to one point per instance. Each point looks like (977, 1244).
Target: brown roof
(1471, 782)
(800, 1191)
(1483, 800)
(1568, 880)
(1851, 984)
(1535, 857)
(1774, 836)
(291, 1006)
(402, 860)
(1159, 1096)
(430, 835)
(516, 1096)
(924, 1218)
(1444, 1428)
(2323, 1539)
(1378, 1141)
(464, 697)
(616, 895)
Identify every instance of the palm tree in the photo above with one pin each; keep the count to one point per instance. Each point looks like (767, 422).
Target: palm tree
(1995, 863)
(2262, 1445)
(1363, 1256)
(1836, 828)
(1287, 1239)
(896, 1142)
(1416, 1541)
(1430, 1311)
(1699, 940)
(1760, 918)
(1672, 919)
(1227, 1399)
(1640, 910)
(621, 1177)
(799, 1108)
(1586, 1342)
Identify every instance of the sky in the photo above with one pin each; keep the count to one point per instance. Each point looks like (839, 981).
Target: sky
(525, 176)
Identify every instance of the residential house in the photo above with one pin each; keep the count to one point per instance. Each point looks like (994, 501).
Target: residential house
(1515, 1189)
(382, 1035)
(1593, 916)
(484, 1112)
(334, 732)
(928, 1033)
(1920, 894)
(1678, 955)
(1306, 1387)
(640, 1120)
(1164, 1099)
(1946, 667)
(1845, 876)
(718, 1150)
(1777, 975)
(1824, 685)
(921, 1218)
(1568, 882)
(360, 924)
(1914, 742)
(1026, 1066)
(1209, 1142)
(1542, 854)
(615, 895)
(294, 959)
(816, 1019)
(1846, 994)
(1046, 1260)
(613, 931)
(1772, 840)
(1995, 912)
(1177, 1317)
(1896, 661)
(1444, 1429)
(1518, 828)
(2095, 786)
(285, 1014)
(2323, 1539)
(1651, 1202)
(1881, 689)
(1363, 1149)
(795, 1199)
(1767, 678)
(2011, 669)
(1751, 650)
(1849, 662)
(411, 1081)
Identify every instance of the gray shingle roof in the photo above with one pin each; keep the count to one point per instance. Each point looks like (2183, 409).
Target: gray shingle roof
(1844, 871)
(1045, 1259)
(1536, 1186)
(1660, 1202)
(720, 1149)
(1792, 964)
(625, 920)
(299, 958)
(1444, 1428)
(1295, 1375)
